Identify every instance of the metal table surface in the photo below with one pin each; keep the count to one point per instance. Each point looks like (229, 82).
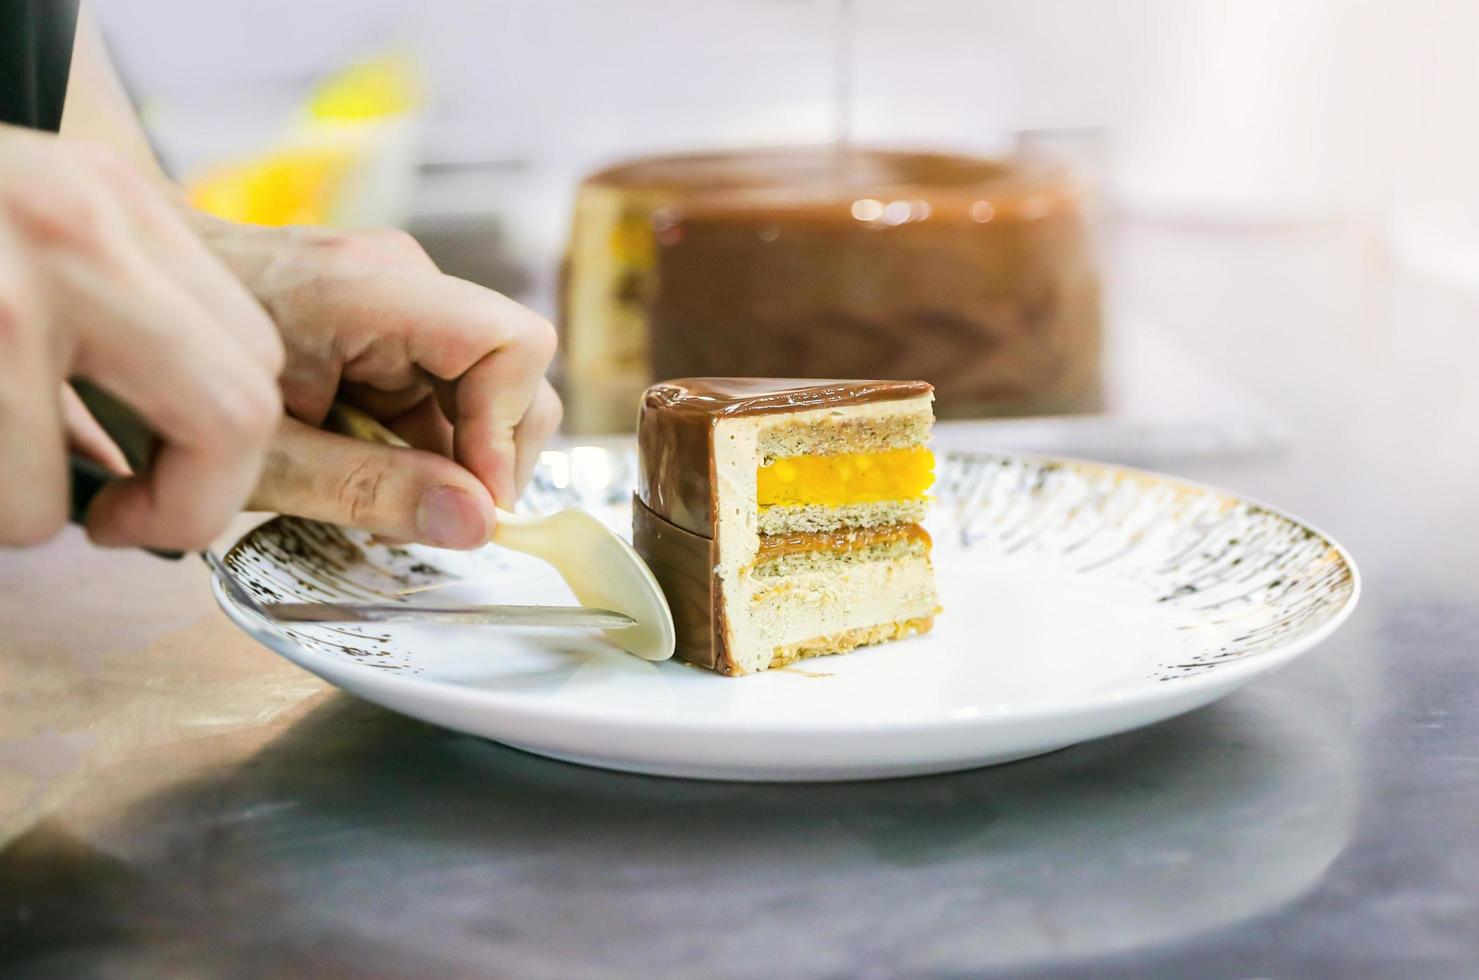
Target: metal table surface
(175, 800)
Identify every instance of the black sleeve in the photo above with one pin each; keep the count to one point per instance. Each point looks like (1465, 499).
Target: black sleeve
(35, 56)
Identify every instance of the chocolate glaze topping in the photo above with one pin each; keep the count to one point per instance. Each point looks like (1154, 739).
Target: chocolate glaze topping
(724, 397)
(675, 429)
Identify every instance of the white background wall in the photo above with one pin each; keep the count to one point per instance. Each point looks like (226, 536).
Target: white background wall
(1255, 111)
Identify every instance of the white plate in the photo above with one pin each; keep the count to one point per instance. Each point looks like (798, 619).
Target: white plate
(1080, 600)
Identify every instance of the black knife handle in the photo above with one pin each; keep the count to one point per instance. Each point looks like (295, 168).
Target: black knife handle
(88, 479)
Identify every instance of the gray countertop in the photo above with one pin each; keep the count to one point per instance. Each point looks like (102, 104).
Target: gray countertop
(175, 800)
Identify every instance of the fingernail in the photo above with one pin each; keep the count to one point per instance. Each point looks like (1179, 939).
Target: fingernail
(451, 518)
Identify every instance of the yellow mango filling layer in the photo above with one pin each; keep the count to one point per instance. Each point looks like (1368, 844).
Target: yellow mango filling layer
(849, 478)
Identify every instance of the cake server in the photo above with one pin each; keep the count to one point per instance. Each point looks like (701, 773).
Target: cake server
(599, 566)
(569, 617)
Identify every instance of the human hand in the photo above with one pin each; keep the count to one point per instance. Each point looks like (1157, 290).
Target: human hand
(101, 279)
(454, 369)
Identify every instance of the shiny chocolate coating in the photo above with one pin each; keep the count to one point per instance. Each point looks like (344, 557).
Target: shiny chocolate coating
(683, 564)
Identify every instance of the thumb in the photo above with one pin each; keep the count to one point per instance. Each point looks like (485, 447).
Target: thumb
(394, 492)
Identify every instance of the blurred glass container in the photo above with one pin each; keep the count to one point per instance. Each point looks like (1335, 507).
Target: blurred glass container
(975, 274)
(347, 157)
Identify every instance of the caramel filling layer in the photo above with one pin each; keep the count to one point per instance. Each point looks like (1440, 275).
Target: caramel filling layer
(846, 478)
(852, 539)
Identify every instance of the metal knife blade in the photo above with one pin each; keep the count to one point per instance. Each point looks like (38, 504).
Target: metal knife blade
(566, 617)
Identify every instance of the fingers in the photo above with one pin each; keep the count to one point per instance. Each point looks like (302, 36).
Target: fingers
(33, 477)
(86, 436)
(424, 425)
(367, 316)
(33, 481)
(403, 494)
(496, 392)
(308, 385)
(195, 483)
(413, 321)
(538, 424)
(213, 407)
(127, 299)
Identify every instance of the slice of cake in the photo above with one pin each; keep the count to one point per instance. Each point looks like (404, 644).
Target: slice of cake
(782, 517)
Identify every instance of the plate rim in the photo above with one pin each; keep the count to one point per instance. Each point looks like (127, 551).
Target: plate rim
(1226, 677)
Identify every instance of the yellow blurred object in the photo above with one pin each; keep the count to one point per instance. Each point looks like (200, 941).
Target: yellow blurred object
(632, 243)
(385, 86)
(296, 187)
(346, 148)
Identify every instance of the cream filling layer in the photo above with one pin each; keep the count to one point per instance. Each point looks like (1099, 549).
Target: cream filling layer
(763, 613)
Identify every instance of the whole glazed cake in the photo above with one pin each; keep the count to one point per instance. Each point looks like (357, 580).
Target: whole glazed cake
(971, 272)
(782, 517)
